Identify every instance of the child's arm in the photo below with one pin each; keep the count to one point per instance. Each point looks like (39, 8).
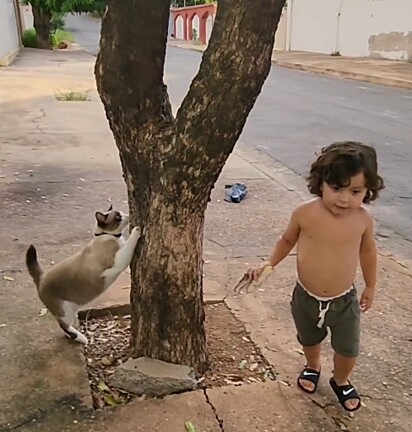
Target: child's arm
(286, 242)
(368, 262)
(282, 247)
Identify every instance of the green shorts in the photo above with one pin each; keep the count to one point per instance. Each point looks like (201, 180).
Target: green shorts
(341, 315)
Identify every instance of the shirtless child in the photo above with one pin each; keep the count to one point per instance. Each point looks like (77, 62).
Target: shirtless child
(333, 233)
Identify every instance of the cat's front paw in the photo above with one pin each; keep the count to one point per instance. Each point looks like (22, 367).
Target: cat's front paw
(136, 232)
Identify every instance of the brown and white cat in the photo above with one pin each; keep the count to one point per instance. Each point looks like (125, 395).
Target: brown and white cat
(81, 278)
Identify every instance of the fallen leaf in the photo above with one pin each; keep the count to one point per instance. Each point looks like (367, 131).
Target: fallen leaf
(299, 351)
(43, 312)
(8, 278)
(110, 400)
(242, 364)
(106, 361)
(190, 426)
(3, 325)
(234, 377)
(102, 386)
(253, 367)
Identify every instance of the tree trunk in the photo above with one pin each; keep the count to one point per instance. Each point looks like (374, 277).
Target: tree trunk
(42, 24)
(167, 285)
(171, 164)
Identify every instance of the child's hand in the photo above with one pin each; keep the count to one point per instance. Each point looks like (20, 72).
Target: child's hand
(255, 272)
(367, 298)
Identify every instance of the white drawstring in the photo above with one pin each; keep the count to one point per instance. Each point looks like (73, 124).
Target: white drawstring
(322, 313)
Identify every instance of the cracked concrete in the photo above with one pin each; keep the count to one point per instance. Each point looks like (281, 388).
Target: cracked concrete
(218, 419)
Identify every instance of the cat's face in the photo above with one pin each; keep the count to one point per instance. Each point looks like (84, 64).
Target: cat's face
(112, 221)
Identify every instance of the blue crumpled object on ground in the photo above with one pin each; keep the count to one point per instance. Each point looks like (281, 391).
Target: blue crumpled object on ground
(235, 192)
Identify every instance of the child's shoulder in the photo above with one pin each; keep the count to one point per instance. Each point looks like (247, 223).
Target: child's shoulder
(365, 215)
(307, 206)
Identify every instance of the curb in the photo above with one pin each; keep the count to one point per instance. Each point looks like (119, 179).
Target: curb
(198, 48)
(373, 79)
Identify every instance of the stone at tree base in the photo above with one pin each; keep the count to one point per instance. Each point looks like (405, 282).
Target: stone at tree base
(153, 377)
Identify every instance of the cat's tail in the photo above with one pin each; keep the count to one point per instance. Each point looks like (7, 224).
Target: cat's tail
(33, 266)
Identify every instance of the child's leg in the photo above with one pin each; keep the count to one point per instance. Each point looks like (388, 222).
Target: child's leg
(312, 354)
(345, 342)
(305, 310)
(343, 368)
(340, 383)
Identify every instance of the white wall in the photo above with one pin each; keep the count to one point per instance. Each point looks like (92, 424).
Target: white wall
(27, 16)
(280, 36)
(313, 25)
(9, 35)
(379, 28)
(391, 18)
(179, 28)
(195, 28)
(209, 27)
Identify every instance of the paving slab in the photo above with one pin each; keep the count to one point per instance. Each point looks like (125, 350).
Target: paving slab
(162, 415)
(266, 407)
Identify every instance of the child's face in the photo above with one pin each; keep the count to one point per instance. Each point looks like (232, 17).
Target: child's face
(340, 200)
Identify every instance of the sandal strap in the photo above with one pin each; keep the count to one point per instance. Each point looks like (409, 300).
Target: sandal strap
(344, 393)
(309, 374)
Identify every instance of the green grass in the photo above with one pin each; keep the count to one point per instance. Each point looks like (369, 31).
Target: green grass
(29, 38)
(30, 41)
(72, 96)
(62, 35)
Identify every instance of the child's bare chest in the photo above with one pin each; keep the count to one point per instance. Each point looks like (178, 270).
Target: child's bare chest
(333, 231)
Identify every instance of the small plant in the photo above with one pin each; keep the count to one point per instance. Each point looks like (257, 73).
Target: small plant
(60, 36)
(72, 97)
(194, 35)
(30, 40)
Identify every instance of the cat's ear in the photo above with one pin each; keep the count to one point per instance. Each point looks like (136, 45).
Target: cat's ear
(110, 208)
(101, 218)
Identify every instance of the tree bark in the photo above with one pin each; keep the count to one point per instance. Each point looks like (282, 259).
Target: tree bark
(42, 24)
(171, 164)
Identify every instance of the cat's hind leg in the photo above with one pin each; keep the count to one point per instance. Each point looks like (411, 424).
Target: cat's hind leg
(66, 323)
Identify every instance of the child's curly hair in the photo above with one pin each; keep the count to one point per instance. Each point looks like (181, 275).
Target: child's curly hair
(340, 161)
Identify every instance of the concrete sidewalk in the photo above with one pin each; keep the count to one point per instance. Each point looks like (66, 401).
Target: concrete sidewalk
(375, 71)
(59, 164)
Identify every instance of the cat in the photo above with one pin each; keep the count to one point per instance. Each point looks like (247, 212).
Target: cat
(81, 278)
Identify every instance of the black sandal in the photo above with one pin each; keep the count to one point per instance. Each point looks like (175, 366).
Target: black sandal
(310, 375)
(344, 393)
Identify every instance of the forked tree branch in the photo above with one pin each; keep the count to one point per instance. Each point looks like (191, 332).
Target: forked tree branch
(233, 70)
(130, 64)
